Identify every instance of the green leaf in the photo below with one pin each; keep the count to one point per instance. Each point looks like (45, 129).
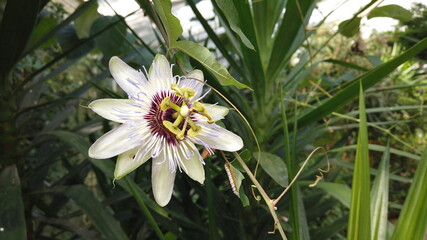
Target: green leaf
(243, 197)
(79, 11)
(171, 24)
(84, 22)
(379, 198)
(12, 220)
(43, 27)
(112, 42)
(204, 57)
(68, 40)
(346, 64)
(232, 15)
(359, 226)
(274, 166)
(349, 27)
(337, 190)
(98, 214)
(391, 11)
(368, 79)
(412, 223)
(290, 35)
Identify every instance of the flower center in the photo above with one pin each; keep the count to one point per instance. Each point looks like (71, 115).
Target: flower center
(156, 115)
(183, 124)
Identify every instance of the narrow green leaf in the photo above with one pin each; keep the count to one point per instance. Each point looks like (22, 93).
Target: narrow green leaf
(212, 206)
(360, 220)
(379, 148)
(171, 24)
(84, 22)
(12, 220)
(291, 33)
(204, 57)
(144, 208)
(98, 214)
(232, 15)
(112, 42)
(368, 79)
(274, 166)
(412, 223)
(391, 11)
(84, 7)
(215, 38)
(346, 64)
(45, 25)
(349, 27)
(379, 198)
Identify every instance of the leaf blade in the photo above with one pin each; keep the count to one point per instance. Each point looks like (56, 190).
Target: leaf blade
(12, 218)
(412, 223)
(391, 11)
(359, 226)
(368, 79)
(274, 166)
(171, 24)
(232, 15)
(379, 198)
(204, 57)
(102, 219)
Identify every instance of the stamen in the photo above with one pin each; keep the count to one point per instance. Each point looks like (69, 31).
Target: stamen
(186, 93)
(167, 103)
(203, 111)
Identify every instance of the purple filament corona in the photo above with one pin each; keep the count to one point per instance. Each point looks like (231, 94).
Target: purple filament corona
(156, 116)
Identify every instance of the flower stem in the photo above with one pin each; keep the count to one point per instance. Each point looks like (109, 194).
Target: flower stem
(264, 195)
(144, 209)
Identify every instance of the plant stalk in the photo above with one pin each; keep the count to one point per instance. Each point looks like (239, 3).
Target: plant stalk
(264, 195)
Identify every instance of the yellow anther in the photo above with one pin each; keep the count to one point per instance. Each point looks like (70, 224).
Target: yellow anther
(180, 136)
(193, 133)
(194, 130)
(167, 103)
(199, 106)
(171, 127)
(186, 93)
(203, 111)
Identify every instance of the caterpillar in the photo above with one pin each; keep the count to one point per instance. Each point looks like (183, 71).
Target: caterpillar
(231, 178)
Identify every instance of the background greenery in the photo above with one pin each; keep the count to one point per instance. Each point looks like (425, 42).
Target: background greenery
(363, 100)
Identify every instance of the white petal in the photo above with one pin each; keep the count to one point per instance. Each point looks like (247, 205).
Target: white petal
(192, 83)
(118, 110)
(217, 112)
(129, 161)
(130, 80)
(162, 180)
(116, 141)
(193, 166)
(160, 73)
(216, 137)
